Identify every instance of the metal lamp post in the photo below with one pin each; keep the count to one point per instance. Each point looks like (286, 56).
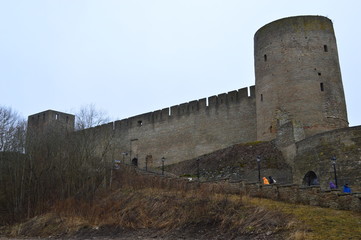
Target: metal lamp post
(333, 159)
(198, 173)
(124, 154)
(163, 159)
(259, 167)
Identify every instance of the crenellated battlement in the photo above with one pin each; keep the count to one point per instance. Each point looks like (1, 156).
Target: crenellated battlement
(185, 109)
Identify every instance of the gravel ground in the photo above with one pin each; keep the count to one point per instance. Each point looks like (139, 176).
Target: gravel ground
(146, 234)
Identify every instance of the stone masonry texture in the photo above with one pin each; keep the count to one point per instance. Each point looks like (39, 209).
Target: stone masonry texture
(298, 76)
(297, 107)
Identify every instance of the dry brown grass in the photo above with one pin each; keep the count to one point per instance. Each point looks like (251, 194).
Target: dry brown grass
(165, 211)
(165, 206)
(160, 204)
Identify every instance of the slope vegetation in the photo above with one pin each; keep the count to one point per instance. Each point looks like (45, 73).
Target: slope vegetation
(143, 206)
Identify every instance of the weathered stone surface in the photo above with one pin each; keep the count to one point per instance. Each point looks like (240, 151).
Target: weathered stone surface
(298, 78)
(238, 162)
(314, 154)
(298, 102)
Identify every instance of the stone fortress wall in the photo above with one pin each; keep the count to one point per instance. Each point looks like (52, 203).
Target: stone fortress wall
(314, 154)
(187, 130)
(177, 133)
(298, 96)
(298, 77)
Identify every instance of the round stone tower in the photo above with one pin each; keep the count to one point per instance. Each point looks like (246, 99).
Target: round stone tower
(299, 89)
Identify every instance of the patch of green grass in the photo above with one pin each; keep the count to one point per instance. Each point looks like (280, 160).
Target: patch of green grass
(188, 175)
(319, 223)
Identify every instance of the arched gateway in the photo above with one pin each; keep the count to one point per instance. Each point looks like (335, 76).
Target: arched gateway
(310, 179)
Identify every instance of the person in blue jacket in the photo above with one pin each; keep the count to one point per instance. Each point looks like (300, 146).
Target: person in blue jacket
(346, 188)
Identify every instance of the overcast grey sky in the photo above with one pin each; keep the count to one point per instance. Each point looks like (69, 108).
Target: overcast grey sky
(136, 56)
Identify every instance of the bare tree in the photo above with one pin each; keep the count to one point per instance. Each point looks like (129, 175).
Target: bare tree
(88, 116)
(12, 164)
(93, 146)
(57, 164)
(12, 131)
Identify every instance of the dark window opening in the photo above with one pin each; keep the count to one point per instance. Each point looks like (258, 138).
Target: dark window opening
(265, 57)
(67, 119)
(325, 48)
(321, 86)
(319, 74)
(261, 97)
(270, 129)
(140, 123)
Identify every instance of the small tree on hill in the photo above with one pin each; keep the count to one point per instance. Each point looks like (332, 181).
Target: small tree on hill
(13, 174)
(12, 131)
(88, 116)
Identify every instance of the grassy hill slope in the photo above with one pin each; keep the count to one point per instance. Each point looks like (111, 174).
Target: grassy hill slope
(143, 207)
